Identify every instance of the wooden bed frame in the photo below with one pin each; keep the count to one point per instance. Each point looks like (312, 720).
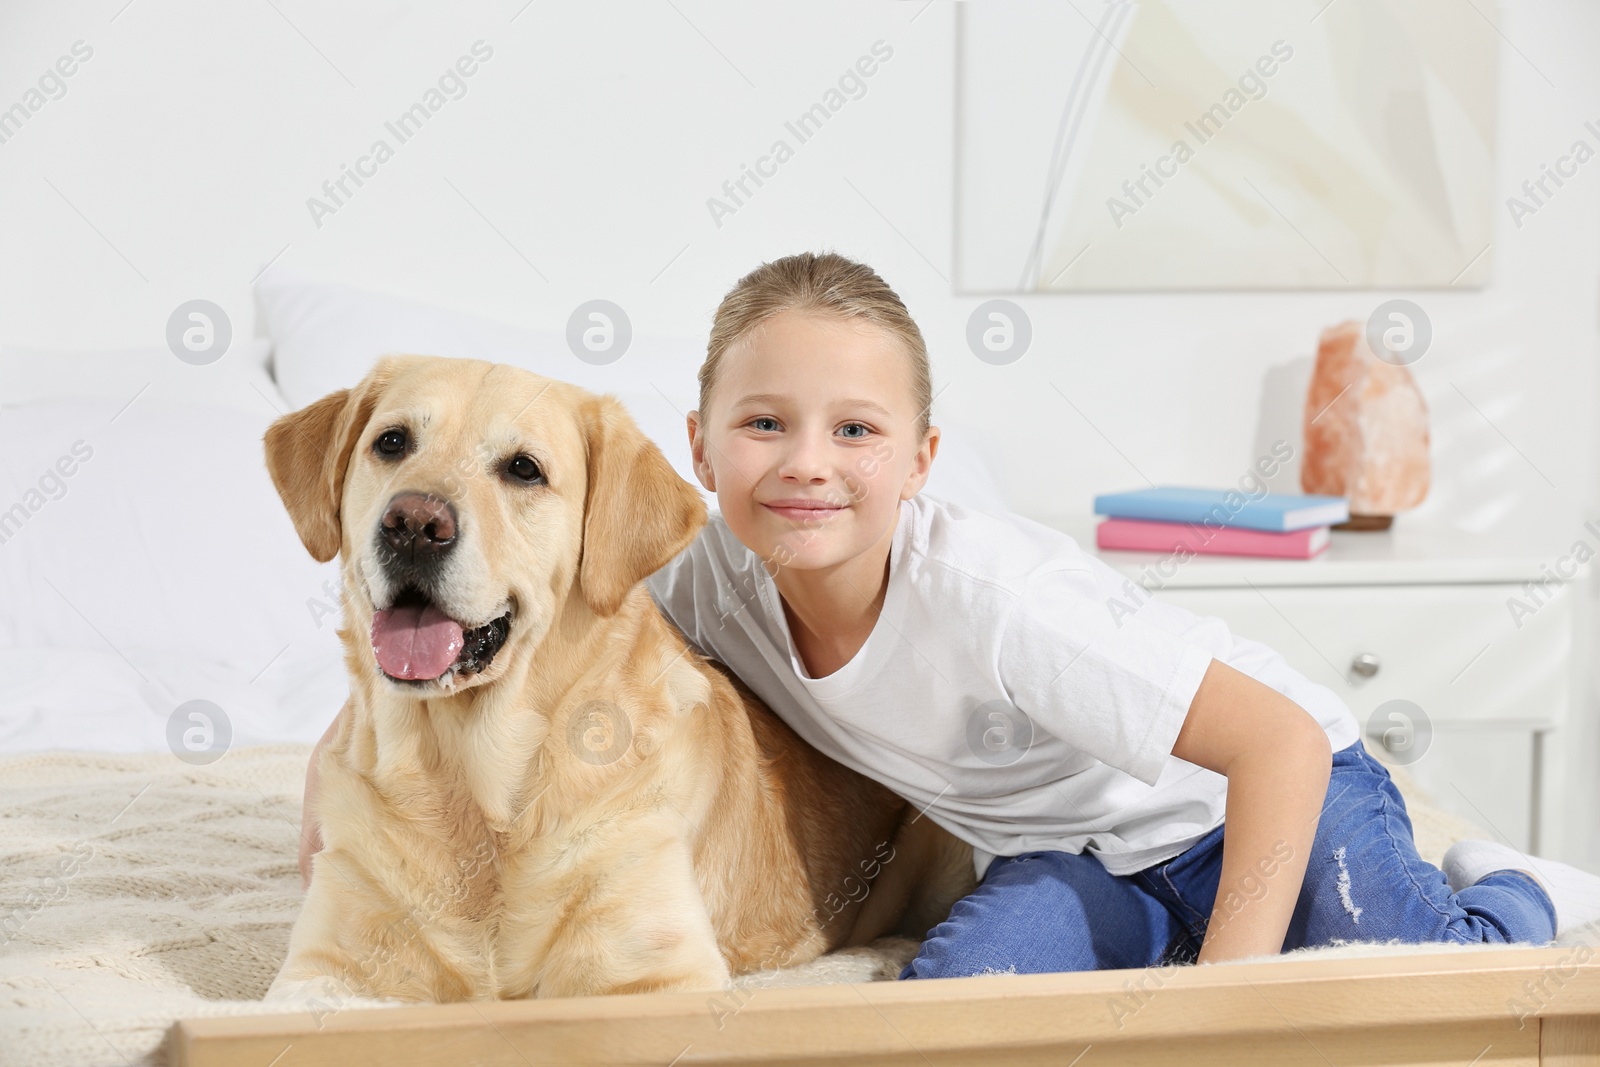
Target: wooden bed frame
(1506, 1007)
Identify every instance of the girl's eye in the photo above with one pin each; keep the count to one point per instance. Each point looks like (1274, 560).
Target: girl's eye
(760, 419)
(865, 430)
(390, 443)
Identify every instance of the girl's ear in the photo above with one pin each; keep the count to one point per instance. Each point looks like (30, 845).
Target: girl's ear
(921, 463)
(697, 451)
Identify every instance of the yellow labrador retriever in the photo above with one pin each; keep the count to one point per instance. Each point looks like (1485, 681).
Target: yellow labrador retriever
(537, 788)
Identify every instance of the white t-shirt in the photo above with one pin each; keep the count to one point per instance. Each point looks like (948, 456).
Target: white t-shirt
(998, 690)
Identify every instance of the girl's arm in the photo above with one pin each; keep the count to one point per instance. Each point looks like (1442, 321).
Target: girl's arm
(1277, 760)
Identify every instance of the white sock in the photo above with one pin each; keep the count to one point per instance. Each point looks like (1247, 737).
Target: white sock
(1574, 892)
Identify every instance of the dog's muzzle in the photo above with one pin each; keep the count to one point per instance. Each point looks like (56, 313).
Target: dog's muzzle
(413, 639)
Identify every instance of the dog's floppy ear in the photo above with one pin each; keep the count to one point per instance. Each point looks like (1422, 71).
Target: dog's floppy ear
(638, 512)
(307, 452)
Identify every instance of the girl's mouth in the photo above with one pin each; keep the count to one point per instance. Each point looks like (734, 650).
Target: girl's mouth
(801, 510)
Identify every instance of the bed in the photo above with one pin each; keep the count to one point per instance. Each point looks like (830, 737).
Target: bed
(148, 877)
(156, 943)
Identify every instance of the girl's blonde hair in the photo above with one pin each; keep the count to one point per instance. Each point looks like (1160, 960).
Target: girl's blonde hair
(822, 283)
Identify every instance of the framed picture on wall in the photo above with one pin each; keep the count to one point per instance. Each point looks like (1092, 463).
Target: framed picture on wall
(1236, 144)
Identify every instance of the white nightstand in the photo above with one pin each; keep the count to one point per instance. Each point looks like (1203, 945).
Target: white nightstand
(1421, 615)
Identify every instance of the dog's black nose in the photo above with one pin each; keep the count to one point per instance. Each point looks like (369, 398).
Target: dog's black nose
(419, 525)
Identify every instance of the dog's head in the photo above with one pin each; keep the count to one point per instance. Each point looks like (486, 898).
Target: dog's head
(473, 503)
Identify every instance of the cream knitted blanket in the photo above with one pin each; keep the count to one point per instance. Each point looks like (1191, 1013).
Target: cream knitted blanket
(136, 890)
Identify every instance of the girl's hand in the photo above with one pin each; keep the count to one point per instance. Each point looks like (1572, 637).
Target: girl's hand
(310, 831)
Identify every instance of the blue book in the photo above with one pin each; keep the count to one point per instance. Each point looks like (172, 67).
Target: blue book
(1279, 512)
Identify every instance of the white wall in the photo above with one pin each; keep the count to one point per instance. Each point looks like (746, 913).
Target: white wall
(193, 137)
(179, 162)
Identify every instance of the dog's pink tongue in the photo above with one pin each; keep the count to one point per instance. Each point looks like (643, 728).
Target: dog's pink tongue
(415, 642)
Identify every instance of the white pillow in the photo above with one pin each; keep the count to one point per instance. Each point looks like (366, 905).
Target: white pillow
(326, 336)
(239, 378)
(145, 543)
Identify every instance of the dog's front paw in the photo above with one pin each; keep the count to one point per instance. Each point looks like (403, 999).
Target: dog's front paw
(323, 995)
(322, 989)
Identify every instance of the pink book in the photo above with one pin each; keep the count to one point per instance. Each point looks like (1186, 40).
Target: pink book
(1143, 535)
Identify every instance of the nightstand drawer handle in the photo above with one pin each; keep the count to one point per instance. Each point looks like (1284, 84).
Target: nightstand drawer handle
(1366, 664)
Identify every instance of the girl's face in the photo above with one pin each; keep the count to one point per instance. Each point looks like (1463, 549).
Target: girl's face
(811, 441)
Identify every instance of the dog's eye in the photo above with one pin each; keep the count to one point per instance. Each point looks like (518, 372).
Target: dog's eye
(390, 443)
(524, 469)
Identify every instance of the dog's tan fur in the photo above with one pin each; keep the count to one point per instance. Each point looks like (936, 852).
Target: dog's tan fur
(602, 810)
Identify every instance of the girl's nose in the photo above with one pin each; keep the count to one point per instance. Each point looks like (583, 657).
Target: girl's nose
(806, 459)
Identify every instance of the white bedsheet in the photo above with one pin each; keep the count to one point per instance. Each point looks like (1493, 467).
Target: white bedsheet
(93, 699)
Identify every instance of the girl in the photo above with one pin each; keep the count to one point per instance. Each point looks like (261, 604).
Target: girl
(970, 662)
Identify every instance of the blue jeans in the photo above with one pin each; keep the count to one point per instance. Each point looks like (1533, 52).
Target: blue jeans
(1062, 911)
